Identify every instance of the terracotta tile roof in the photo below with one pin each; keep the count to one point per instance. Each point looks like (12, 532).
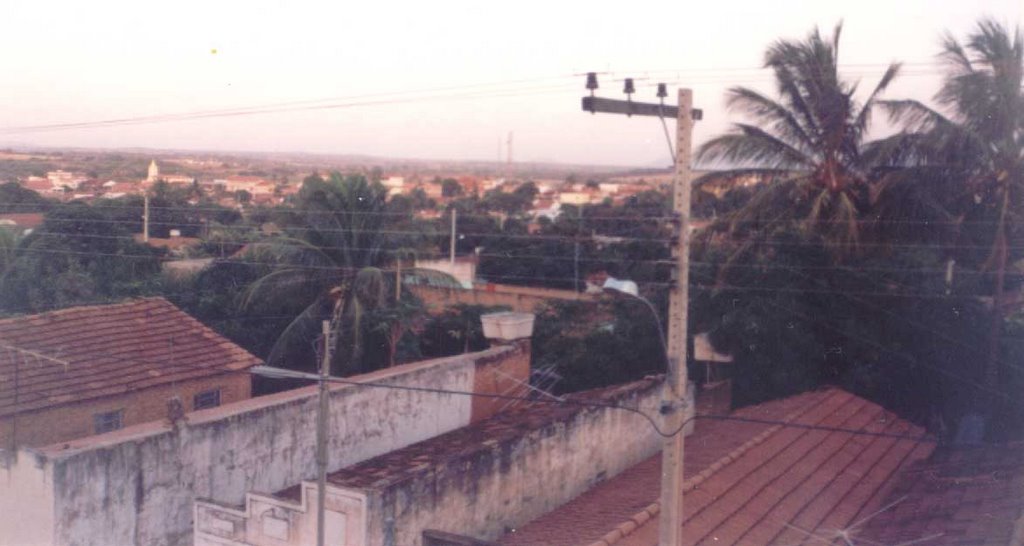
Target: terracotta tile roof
(750, 483)
(959, 496)
(38, 185)
(109, 350)
(464, 443)
(23, 219)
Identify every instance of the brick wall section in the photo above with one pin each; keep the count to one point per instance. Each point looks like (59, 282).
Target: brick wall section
(71, 421)
(507, 376)
(519, 298)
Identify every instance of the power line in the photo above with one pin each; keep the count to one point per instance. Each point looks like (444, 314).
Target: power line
(909, 359)
(948, 337)
(368, 100)
(453, 92)
(107, 205)
(339, 269)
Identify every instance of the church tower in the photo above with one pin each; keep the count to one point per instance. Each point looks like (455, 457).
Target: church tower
(154, 172)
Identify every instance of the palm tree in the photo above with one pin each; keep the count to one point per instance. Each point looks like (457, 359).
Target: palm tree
(331, 258)
(975, 138)
(807, 144)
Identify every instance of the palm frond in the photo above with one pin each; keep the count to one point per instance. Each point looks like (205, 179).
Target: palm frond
(750, 145)
(780, 119)
(860, 124)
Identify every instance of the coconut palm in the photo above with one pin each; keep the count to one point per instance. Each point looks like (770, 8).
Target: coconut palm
(806, 144)
(331, 258)
(975, 138)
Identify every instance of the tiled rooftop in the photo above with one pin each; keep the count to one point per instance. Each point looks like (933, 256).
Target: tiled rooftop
(89, 352)
(960, 496)
(23, 219)
(750, 483)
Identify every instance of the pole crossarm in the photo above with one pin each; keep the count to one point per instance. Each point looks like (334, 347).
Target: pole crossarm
(632, 108)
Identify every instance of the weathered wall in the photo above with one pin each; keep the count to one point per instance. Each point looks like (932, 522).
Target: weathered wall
(71, 421)
(26, 509)
(515, 480)
(137, 485)
(519, 298)
(271, 521)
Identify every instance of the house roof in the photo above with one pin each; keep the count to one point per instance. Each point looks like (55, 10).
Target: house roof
(751, 483)
(83, 353)
(960, 495)
(38, 185)
(25, 220)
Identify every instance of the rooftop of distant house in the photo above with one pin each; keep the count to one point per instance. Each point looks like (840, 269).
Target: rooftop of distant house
(752, 482)
(83, 353)
(24, 220)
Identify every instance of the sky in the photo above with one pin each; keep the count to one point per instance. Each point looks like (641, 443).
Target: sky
(431, 80)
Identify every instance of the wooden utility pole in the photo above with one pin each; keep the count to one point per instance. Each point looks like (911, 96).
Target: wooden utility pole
(674, 401)
(671, 519)
(451, 249)
(321, 434)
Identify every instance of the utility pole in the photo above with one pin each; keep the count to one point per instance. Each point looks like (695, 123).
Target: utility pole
(508, 157)
(671, 519)
(674, 401)
(451, 246)
(321, 434)
(145, 217)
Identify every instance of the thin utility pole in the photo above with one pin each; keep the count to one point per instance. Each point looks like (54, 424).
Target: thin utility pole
(674, 401)
(321, 434)
(451, 246)
(576, 251)
(671, 520)
(145, 217)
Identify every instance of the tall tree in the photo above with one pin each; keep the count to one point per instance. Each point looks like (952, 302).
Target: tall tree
(976, 139)
(807, 143)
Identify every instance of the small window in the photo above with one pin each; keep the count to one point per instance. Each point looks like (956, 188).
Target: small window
(108, 421)
(206, 399)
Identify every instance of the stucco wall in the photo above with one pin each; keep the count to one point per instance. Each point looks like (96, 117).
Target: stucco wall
(497, 474)
(137, 485)
(518, 479)
(26, 509)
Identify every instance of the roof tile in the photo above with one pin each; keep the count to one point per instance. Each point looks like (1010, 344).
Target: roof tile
(757, 484)
(94, 351)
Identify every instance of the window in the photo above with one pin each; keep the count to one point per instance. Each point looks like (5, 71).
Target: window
(108, 421)
(206, 399)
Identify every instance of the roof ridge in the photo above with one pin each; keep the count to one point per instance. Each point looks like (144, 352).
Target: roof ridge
(135, 300)
(627, 527)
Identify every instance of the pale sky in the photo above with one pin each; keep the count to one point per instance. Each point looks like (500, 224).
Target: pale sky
(72, 61)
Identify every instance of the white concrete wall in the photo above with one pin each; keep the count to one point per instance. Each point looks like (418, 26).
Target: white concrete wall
(269, 521)
(463, 271)
(26, 509)
(516, 481)
(137, 486)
